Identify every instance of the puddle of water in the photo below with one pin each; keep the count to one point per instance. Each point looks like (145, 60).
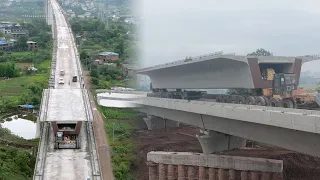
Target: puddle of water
(20, 126)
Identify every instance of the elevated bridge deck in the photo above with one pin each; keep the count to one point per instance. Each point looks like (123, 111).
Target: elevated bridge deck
(65, 102)
(293, 129)
(65, 105)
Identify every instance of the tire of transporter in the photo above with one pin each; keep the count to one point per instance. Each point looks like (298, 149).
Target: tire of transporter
(275, 102)
(287, 103)
(226, 99)
(266, 99)
(241, 100)
(251, 100)
(260, 101)
(219, 98)
(233, 99)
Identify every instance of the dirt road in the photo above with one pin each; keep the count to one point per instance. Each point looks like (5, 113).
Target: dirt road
(100, 135)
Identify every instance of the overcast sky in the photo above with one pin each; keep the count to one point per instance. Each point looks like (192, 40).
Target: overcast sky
(173, 29)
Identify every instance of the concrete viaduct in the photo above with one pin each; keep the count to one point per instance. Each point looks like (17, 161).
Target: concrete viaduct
(227, 126)
(65, 103)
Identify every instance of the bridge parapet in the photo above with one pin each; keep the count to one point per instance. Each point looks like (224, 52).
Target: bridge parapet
(185, 165)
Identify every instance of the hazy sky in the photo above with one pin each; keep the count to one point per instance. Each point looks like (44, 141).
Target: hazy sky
(173, 29)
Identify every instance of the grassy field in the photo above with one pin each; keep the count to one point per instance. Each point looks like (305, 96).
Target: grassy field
(19, 54)
(118, 125)
(117, 113)
(15, 86)
(44, 65)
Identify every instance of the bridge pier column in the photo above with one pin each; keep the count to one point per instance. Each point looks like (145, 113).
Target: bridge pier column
(212, 141)
(153, 122)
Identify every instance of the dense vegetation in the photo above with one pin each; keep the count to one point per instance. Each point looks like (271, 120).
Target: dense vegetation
(21, 85)
(118, 126)
(16, 163)
(18, 9)
(96, 38)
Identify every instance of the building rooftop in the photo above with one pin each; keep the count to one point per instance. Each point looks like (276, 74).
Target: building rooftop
(109, 54)
(30, 42)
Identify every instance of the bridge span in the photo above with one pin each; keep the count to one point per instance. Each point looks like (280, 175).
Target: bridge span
(227, 125)
(67, 103)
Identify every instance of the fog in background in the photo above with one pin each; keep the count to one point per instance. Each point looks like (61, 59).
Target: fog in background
(173, 29)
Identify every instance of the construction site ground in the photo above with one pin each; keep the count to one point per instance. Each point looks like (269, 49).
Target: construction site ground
(182, 139)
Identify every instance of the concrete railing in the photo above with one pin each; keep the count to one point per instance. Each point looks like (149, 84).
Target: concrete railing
(184, 165)
(41, 155)
(121, 91)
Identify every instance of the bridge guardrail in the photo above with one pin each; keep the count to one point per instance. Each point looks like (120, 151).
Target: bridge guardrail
(90, 132)
(96, 171)
(43, 111)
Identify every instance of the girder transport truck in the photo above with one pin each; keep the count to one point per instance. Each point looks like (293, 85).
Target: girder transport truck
(67, 134)
(262, 80)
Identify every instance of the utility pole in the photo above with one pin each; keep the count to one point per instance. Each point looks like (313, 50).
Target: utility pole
(107, 21)
(112, 133)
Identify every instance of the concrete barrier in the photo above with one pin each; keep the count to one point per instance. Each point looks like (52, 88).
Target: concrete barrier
(185, 165)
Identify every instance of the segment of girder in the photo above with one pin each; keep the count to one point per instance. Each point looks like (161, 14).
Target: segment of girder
(221, 72)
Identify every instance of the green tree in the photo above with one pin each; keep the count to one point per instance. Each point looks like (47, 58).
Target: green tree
(76, 27)
(260, 52)
(83, 55)
(94, 73)
(8, 70)
(109, 71)
(21, 44)
(94, 81)
(33, 94)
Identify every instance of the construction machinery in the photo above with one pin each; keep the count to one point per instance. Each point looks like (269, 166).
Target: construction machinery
(263, 81)
(67, 135)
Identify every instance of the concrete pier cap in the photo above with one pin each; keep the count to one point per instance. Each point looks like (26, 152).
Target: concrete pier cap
(154, 122)
(212, 141)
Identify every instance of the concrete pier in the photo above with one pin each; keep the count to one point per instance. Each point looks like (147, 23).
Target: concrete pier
(153, 122)
(191, 166)
(214, 142)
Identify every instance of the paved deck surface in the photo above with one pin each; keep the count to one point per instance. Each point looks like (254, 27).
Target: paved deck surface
(66, 105)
